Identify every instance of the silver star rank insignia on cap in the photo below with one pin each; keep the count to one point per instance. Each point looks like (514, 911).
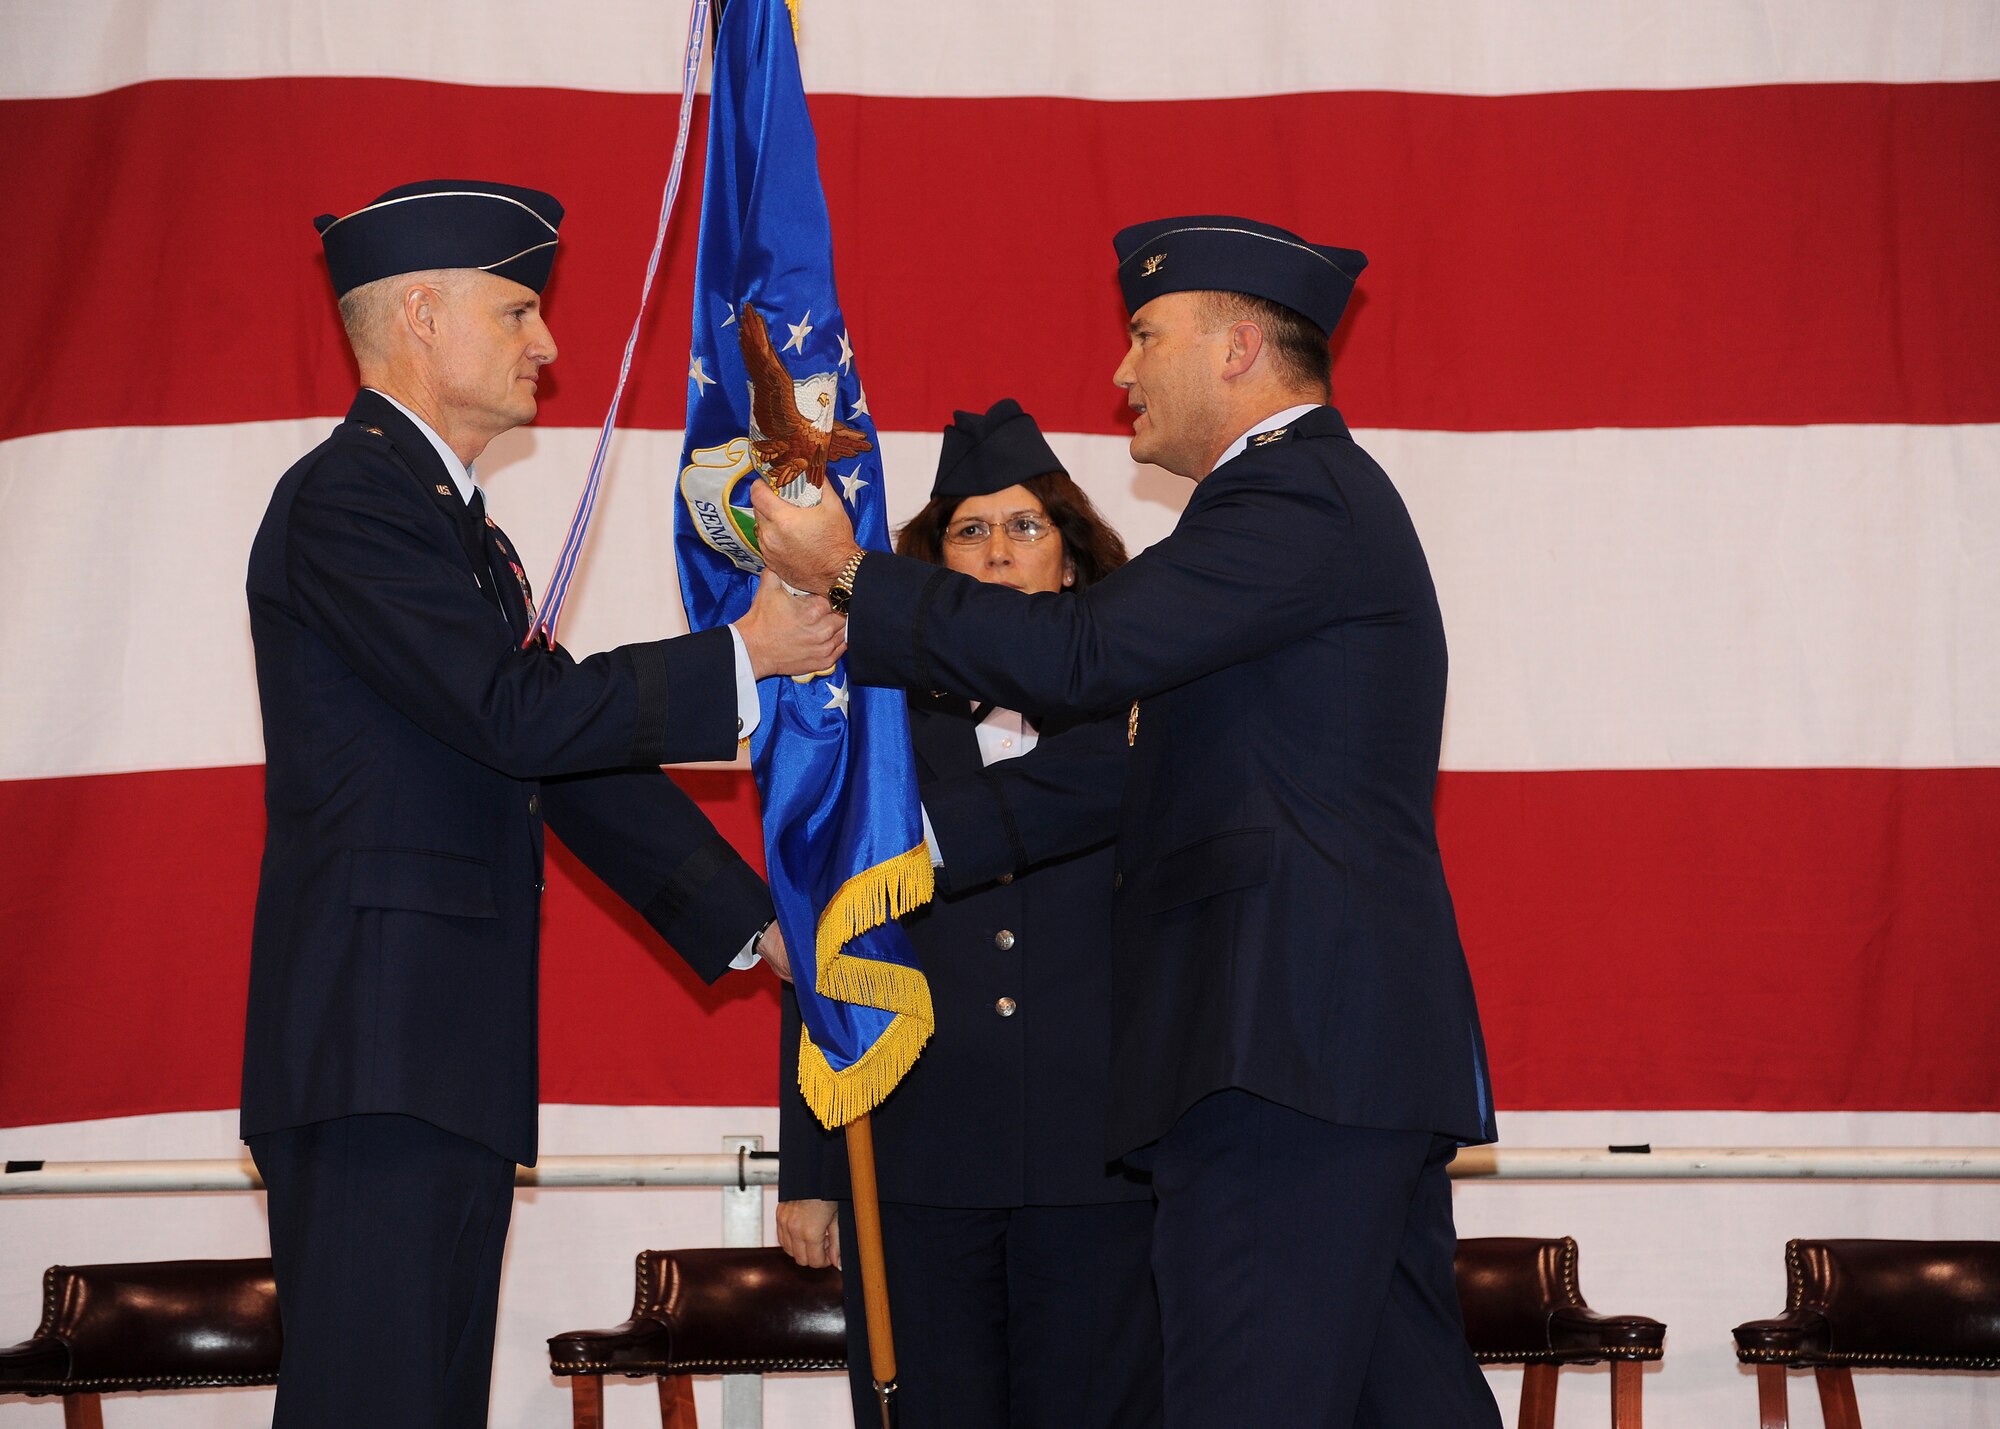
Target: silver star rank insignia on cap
(1152, 265)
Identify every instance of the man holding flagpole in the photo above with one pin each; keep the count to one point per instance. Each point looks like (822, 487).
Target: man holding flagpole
(417, 740)
(1297, 1052)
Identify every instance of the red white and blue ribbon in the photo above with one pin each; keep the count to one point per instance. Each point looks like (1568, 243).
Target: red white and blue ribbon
(556, 590)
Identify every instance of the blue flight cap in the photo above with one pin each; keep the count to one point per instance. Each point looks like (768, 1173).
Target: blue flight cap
(1217, 253)
(991, 451)
(444, 223)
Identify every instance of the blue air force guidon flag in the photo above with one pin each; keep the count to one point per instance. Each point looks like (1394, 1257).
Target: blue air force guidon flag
(773, 394)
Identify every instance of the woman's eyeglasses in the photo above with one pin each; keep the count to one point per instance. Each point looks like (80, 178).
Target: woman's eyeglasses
(1020, 527)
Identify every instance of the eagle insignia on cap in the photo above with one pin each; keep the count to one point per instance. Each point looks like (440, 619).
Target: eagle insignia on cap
(1264, 439)
(1152, 265)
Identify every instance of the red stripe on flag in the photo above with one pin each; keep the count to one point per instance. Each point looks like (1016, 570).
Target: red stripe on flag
(1661, 258)
(1757, 940)
(129, 916)
(1775, 941)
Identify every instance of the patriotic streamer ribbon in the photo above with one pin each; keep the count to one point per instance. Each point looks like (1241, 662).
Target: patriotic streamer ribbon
(556, 589)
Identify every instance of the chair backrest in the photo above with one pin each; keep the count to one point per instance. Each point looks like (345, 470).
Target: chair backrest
(1926, 1304)
(1508, 1286)
(1521, 1305)
(168, 1324)
(750, 1310)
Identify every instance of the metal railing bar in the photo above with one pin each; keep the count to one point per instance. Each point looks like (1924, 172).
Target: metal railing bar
(731, 1169)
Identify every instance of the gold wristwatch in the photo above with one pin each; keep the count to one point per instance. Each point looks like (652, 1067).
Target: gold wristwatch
(841, 594)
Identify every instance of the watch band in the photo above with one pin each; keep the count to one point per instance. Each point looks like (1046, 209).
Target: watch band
(841, 594)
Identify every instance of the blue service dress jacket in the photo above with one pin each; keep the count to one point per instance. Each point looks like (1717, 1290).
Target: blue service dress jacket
(413, 754)
(1006, 1105)
(1281, 923)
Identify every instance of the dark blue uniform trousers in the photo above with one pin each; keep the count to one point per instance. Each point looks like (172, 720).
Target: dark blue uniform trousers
(1305, 1274)
(386, 1240)
(1035, 1317)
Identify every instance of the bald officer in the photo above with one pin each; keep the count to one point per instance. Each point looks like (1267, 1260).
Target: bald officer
(1296, 1054)
(416, 744)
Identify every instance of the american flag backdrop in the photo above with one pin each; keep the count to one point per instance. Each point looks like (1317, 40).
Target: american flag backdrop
(1681, 337)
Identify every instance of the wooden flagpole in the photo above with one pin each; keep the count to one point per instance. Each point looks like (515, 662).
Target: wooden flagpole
(874, 1281)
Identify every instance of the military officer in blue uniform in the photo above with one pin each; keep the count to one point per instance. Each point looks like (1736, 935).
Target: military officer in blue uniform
(417, 743)
(1017, 1255)
(1296, 1051)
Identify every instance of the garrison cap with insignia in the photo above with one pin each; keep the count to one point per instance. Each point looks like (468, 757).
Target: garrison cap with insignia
(1217, 253)
(444, 223)
(991, 451)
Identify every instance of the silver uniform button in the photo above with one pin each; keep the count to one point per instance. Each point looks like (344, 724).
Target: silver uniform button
(534, 803)
(1003, 940)
(1005, 1007)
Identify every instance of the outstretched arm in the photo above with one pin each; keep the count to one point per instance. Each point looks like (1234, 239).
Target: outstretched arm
(1059, 798)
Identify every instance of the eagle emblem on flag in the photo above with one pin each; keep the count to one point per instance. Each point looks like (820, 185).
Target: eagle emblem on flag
(795, 429)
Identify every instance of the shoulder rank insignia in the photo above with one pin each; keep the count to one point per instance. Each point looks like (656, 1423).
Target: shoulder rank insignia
(1152, 265)
(1264, 439)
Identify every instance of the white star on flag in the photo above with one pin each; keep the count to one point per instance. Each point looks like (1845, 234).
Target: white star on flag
(846, 353)
(732, 314)
(860, 404)
(836, 698)
(702, 381)
(850, 486)
(800, 330)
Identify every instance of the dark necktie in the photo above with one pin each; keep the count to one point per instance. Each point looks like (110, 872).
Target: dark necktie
(510, 582)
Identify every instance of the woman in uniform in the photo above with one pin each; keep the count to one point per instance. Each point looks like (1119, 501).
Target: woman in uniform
(1020, 1286)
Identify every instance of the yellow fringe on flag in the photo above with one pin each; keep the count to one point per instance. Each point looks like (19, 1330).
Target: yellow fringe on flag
(836, 1098)
(869, 899)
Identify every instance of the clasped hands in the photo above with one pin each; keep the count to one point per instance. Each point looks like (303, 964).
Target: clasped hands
(805, 546)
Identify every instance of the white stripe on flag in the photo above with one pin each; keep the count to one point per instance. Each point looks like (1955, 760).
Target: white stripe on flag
(1169, 49)
(1785, 597)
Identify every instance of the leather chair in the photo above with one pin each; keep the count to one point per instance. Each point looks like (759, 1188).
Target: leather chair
(166, 1324)
(724, 1311)
(1905, 1304)
(1522, 1306)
